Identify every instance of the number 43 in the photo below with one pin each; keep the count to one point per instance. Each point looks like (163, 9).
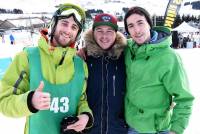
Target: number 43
(55, 105)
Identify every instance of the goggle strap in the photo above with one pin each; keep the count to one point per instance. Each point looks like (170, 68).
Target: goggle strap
(53, 27)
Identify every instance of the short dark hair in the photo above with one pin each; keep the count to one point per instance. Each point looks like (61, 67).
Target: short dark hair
(137, 10)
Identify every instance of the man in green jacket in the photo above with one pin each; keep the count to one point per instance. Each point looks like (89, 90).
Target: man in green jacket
(155, 79)
(47, 83)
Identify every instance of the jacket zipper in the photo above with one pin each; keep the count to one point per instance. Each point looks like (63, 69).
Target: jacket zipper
(62, 58)
(102, 96)
(114, 85)
(107, 81)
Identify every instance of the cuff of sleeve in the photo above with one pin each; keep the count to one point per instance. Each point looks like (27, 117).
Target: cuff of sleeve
(177, 129)
(90, 121)
(29, 103)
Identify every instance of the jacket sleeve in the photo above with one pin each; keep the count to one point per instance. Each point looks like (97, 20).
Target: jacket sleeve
(15, 88)
(83, 107)
(176, 82)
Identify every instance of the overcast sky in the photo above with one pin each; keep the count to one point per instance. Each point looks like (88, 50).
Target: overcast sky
(153, 6)
(49, 5)
(28, 5)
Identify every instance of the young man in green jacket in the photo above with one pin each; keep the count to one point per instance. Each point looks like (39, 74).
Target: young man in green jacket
(155, 79)
(47, 83)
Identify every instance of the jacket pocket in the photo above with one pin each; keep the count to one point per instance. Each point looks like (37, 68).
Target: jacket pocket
(162, 122)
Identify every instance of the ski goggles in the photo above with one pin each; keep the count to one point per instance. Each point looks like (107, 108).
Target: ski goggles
(72, 12)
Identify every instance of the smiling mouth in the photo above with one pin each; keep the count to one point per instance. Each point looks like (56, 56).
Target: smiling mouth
(104, 42)
(65, 35)
(138, 36)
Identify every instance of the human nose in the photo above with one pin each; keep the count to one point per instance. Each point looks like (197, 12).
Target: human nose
(104, 34)
(137, 29)
(67, 29)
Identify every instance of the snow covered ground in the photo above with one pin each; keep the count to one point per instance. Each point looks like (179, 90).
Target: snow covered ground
(192, 65)
(191, 60)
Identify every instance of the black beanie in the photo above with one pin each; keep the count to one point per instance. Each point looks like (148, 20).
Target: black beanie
(140, 11)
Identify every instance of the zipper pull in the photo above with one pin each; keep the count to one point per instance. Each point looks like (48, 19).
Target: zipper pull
(63, 57)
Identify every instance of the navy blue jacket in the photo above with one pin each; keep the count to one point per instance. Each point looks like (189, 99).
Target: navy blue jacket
(106, 86)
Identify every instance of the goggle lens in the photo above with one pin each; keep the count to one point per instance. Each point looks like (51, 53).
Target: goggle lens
(70, 12)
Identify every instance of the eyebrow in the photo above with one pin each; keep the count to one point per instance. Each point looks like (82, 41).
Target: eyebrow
(66, 21)
(136, 22)
(140, 20)
(76, 25)
(130, 24)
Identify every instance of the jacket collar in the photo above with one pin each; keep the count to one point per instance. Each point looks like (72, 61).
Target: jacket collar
(49, 49)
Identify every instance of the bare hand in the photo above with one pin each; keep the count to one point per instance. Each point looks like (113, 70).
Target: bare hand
(81, 53)
(80, 124)
(40, 99)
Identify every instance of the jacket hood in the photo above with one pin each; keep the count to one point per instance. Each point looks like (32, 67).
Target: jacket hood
(93, 49)
(163, 34)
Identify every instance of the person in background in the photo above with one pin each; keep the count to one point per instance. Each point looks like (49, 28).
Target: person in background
(1, 39)
(175, 40)
(48, 83)
(12, 39)
(106, 82)
(155, 79)
(180, 37)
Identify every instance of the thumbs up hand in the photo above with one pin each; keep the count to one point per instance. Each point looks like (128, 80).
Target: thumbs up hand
(41, 100)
